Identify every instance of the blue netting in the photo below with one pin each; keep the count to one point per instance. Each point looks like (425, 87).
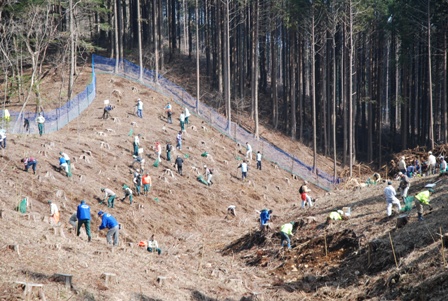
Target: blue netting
(54, 119)
(179, 95)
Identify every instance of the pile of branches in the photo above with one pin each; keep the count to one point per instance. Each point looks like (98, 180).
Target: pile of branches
(419, 153)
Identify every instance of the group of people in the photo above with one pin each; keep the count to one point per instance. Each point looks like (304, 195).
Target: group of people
(82, 217)
(64, 163)
(428, 167)
(420, 199)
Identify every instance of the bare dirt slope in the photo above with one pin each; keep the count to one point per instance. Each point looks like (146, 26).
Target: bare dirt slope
(205, 255)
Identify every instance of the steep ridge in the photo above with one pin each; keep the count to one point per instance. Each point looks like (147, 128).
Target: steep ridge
(205, 256)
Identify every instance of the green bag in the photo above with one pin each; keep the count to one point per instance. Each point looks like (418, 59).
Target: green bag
(156, 164)
(22, 206)
(204, 154)
(202, 180)
(408, 202)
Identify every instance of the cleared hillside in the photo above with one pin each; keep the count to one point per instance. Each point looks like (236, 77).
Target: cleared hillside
(205, 255)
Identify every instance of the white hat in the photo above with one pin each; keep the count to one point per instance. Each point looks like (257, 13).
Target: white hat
(400, 173)
(205, 166)
(430, 153)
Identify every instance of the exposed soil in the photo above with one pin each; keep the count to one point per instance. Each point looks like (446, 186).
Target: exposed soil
(206, 255)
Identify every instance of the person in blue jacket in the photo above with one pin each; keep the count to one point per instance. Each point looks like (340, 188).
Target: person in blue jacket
(83, 215)
(109, 222)
(265, 217)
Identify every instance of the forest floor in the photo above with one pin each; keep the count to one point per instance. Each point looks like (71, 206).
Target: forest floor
(205, 255)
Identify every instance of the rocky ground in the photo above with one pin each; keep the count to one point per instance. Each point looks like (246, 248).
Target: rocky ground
(205, 255)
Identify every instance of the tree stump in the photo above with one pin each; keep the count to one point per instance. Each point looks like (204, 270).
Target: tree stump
(67, 278)
(160, 280)
(28, 290)
(402, 220)
(109, 277)
(445, 240)
(15, 248)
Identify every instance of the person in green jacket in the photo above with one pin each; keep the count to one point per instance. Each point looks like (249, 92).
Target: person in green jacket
(422, 198)
(285, 232)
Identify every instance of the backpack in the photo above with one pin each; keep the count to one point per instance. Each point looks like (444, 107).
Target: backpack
(301, 190)
(108, 108)
(169, 147)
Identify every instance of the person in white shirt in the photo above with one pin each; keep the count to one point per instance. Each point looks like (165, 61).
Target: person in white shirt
(187, 114)
(139, 108)
(182, 121)
(158, 148)
(2, 138)
(249, 151)
(259, 160)
(153, 246)
(431, 163)
(40, 123)
(208, 175)
(442, 164)
(390, 194)
(402, 165)
(244, 169)
(54, 213)
(136, 144)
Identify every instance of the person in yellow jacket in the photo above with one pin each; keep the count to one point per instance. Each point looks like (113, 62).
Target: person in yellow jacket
(336, 215)
(285, 232)
(422, 198)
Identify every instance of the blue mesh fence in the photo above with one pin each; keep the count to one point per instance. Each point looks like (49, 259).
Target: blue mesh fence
(179, 95)
(54, 119)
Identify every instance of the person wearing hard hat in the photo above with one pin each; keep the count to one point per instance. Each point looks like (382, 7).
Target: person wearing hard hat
(422, 198)
(285, 233)
(390, 194)
(109, 222)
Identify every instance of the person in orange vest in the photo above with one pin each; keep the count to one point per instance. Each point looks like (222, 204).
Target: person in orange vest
(146, 181)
